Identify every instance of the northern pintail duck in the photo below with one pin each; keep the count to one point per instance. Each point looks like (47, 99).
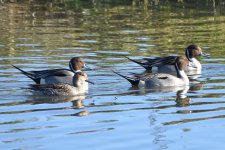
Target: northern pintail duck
(164, 66)
(53, 76)
(62, 89)
(162, 79)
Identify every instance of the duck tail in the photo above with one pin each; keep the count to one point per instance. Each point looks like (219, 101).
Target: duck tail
(29, 75)
(32, 87)
(133, 81)
(144, 65)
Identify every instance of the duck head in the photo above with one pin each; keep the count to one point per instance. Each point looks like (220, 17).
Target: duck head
(77, 63)
(80, 78)
(193, 51)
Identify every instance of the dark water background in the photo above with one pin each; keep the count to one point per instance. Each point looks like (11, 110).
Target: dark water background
(37, 35)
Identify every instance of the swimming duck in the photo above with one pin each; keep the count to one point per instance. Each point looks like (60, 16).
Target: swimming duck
(191, 53)
(62, 89)
(53, 76)
(162, 79)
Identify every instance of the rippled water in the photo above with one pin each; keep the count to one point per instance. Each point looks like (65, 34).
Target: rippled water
(40, 35)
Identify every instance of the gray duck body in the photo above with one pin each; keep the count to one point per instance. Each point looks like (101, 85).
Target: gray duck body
(164, 66)
(53, 76)
(63, 89)
(161, 79)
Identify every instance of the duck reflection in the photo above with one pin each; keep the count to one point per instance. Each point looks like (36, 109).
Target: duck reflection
(77, 102)
(182, 99)
(59, 99)
(142, 90)
(193, 76)
(81, 114)
(196, 87)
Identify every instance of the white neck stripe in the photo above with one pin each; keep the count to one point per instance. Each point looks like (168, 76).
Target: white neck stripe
(188, 55)
(71, 67)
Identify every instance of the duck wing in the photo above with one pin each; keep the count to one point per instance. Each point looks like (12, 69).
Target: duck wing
(155, 62)
(47, 86)
(168, 60)
(36, 76)
(54, 72)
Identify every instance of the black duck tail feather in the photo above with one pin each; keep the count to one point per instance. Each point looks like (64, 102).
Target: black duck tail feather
(24, 72)
(133, 81)
(154, 62)
(137, 62)
(29, 75)
(144, 65)
(32, 87)
(170, 60)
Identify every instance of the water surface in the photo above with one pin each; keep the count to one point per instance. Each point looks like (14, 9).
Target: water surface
(40, 35)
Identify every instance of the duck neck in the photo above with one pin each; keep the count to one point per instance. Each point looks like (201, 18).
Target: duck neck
(181, 74)
(71, 67)
(76, 82)
(188, 55)
(195, 63)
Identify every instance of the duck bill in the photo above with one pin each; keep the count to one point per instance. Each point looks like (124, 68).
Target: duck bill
(86, 68)
(89, 82)
(204, 54)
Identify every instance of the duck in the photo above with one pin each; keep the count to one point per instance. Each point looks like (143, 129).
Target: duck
(164, 66)
(161, 80)
(52, 76)
(63, 89)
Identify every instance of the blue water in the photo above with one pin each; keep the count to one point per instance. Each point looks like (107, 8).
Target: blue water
(112, 115)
